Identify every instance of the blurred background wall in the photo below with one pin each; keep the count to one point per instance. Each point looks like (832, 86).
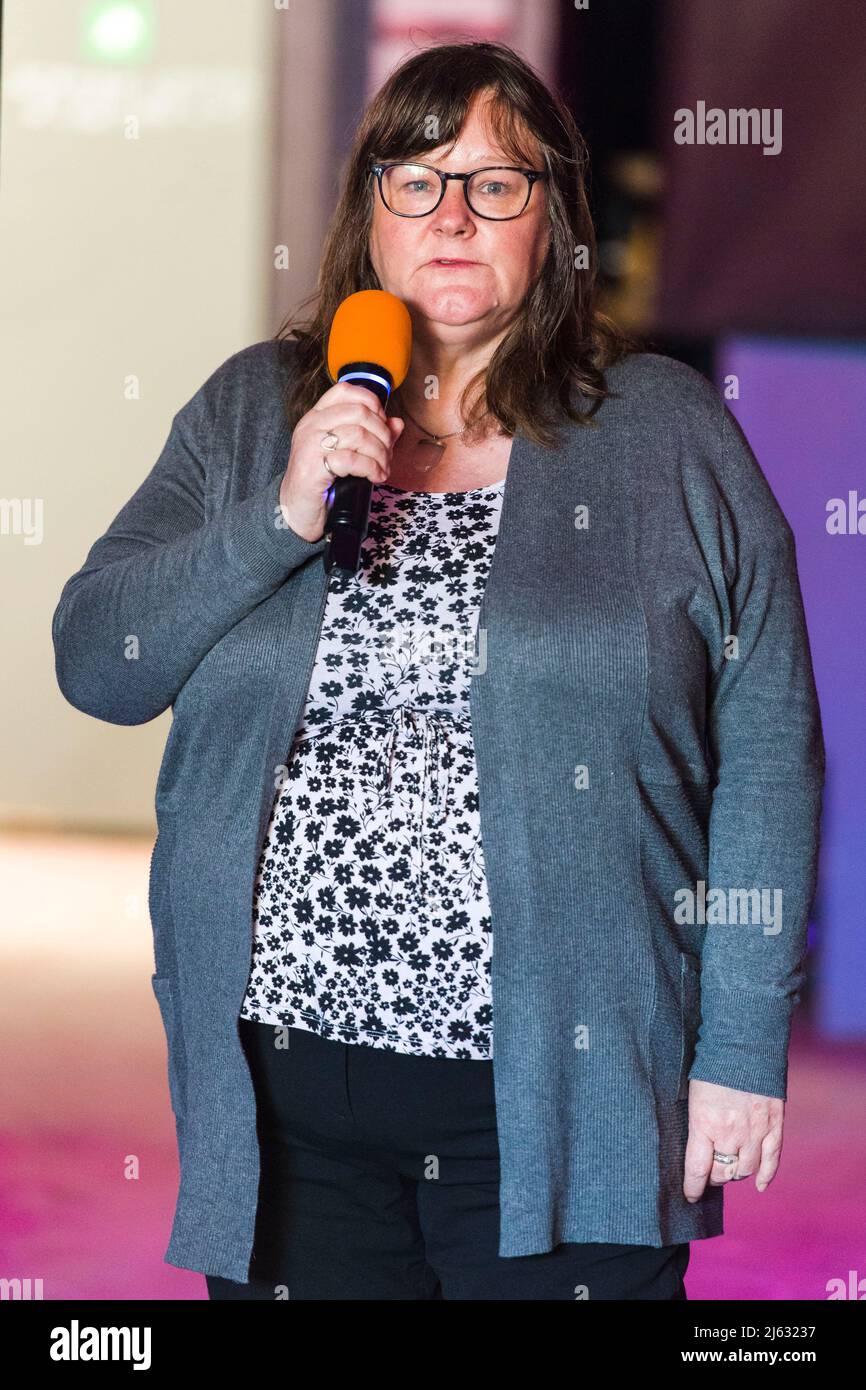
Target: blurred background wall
(135, 226)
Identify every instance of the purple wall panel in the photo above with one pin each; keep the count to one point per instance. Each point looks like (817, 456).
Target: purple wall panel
(757, 243)
(802, 405)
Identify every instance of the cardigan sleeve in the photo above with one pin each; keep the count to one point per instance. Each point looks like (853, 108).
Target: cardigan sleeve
(765, 740)
(163, 584)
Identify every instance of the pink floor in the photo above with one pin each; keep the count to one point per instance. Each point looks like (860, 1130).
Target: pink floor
(71, 1217)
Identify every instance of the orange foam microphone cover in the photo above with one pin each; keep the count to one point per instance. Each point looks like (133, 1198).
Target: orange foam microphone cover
(371, 328)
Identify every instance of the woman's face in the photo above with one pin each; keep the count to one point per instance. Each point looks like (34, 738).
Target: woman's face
(464, 302)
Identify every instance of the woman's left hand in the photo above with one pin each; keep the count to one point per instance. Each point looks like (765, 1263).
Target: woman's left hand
(731, 1122)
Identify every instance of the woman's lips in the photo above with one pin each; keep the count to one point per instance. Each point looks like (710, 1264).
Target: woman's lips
(451, 265)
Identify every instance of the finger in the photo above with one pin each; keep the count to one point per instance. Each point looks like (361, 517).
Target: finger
(771, 1150)
(722, 1173)
(348, 462)
(351, 394)
(748, 1159)
(727, 1141)
(697, 1166)
(361, 440)
(342, 417)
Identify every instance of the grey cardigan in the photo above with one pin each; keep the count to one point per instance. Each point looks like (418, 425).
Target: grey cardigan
(626, 754)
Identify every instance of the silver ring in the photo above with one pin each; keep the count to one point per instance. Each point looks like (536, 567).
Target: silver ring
(724, 1158)
(328, 468)
(330, 435)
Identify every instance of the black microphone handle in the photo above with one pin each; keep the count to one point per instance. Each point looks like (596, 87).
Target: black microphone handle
(349, 507)
(347, 522)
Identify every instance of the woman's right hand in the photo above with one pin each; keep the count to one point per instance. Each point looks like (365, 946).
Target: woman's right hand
(366, 439)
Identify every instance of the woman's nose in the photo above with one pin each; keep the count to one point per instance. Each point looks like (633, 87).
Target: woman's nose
(454, 209)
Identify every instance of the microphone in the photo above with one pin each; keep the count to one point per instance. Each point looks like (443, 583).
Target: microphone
(370, 344)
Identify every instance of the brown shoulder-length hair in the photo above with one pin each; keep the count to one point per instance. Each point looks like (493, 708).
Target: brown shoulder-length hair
(559, 340)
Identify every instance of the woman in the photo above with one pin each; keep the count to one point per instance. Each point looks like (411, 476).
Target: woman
(402, 1066)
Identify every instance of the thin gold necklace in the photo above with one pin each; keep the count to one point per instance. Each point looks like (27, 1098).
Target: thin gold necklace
(431, 438)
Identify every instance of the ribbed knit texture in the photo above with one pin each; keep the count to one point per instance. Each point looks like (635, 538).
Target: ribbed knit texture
(605, 651)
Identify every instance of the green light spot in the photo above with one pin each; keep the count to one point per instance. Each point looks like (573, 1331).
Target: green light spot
(119, 31)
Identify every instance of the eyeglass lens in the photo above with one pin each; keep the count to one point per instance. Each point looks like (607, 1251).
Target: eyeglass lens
(411, 190)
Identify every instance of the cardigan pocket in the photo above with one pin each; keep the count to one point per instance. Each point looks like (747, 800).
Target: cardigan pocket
(690, 1017)
(162, 988)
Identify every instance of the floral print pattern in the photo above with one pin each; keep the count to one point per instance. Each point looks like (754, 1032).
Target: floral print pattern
(371, 917)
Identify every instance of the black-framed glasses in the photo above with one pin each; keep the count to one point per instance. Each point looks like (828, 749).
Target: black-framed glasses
(414, 190)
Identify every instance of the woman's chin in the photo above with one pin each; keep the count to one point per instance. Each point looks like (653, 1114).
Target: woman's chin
(453, 306)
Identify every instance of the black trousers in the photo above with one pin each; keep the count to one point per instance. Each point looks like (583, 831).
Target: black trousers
(380, 1180)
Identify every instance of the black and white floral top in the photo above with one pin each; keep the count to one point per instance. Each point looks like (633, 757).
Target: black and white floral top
(371, 916)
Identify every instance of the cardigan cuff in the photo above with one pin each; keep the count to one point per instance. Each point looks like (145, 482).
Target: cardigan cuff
(262, 542)
(743, 1043)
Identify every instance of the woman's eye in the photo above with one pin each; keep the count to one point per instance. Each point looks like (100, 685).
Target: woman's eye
(414, 185)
